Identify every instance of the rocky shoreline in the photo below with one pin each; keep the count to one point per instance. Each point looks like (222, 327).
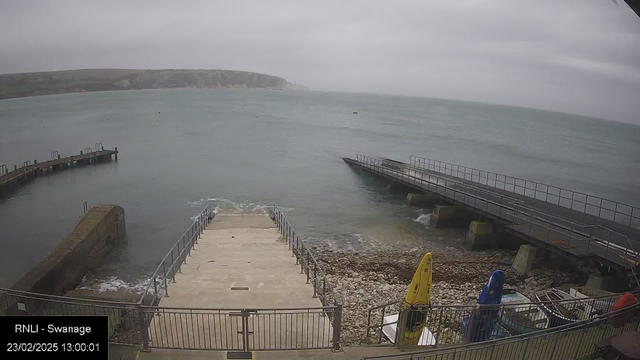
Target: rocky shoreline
(373, 278)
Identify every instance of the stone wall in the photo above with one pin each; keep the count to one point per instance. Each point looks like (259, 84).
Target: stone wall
(97, 231)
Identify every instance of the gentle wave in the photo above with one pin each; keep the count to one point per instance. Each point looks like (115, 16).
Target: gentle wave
(113, 283)
(424, 219)
(231, 207)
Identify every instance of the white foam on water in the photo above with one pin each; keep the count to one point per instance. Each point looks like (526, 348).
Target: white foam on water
(424, 219)
(231, 207)
(113, 283)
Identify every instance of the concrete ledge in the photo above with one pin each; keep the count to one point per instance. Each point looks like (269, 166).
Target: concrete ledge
(63, 268)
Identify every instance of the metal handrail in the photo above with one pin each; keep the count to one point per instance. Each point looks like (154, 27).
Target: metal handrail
(460, 171)
(63, 299)
(460, 308)
(134, 322)
(236, 309)
(308, 266)
(185, 243)
(578, 325)
(573, 224)
(509, 211)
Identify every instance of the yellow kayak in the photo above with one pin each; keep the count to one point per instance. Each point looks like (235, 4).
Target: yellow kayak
(417, 300)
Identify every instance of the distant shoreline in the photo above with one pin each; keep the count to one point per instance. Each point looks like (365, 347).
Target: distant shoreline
(99, 80)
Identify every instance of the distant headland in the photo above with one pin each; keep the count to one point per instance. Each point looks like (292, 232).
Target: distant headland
(74, 81)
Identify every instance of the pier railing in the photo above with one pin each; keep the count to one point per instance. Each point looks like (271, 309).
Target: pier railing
(124, 318)
(460, 324)
(238, 329)
(589, 204)
(171, 263)
(566, 342)
(241, 330)
(309, 266)
(575, 238)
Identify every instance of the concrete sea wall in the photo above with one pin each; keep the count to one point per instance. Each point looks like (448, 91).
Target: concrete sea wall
(97, 231)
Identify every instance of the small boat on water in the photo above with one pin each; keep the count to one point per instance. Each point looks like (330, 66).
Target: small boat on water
(521, 316)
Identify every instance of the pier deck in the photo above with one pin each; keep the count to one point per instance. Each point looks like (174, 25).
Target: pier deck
(553, 226)
(30, 170)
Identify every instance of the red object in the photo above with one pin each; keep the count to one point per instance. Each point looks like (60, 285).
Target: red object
(625, 300)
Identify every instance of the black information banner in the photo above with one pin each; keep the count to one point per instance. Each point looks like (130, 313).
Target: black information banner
(54, 337)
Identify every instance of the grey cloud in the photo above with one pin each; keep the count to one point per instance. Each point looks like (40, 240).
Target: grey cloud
(578, 56)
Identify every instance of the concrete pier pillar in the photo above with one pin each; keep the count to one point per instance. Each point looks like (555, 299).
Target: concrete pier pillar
(482, 235)
(391, 189)
(529, 258)
(421, 200)
(450, 216)
(443, 216)
(611, 283)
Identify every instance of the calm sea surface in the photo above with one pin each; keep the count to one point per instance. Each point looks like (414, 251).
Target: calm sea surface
(244, 150)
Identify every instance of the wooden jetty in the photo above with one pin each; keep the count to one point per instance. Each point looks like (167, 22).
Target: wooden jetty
(29, 170)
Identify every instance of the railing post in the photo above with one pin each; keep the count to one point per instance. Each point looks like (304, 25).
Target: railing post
(526, 347)
(584, 331)
(324, 291)
(315, 277)
(172, 266)
(308, 268)
(400, 328)
(493, 349)
(179, 258)
(164, 272)
(439, 327)
(155, 286)
(143, 328)
(301, 257)
(337, 327)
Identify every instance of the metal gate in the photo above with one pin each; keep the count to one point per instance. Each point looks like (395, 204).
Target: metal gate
(242, 330)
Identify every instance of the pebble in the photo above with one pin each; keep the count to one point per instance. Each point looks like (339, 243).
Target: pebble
(365, 279)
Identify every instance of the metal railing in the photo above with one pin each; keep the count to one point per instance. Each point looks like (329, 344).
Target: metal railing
(241, 329)
(322, 288)
(28, 167)
(123, 317)
(146, 325)
(460, 324)
(571, 341)
(545, 228)
(589, 204)
(172, 262)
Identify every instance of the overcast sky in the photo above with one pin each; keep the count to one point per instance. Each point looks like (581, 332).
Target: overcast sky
(577, 56)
